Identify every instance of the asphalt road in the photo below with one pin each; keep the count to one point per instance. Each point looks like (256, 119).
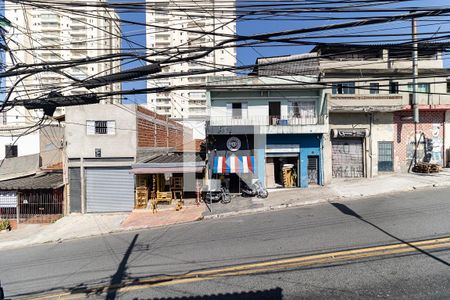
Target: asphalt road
(293, 253)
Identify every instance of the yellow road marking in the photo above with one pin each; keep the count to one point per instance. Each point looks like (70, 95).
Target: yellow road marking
(252, 268)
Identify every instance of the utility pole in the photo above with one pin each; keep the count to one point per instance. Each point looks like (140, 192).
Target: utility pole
(415, 74)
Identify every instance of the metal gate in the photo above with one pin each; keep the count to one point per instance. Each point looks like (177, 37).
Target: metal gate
(32, 206)
(109, 190)
(347, 158)
(313, 168)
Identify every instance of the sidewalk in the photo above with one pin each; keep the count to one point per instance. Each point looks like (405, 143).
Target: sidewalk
(338, 189)
(80, 226)
(76, 226)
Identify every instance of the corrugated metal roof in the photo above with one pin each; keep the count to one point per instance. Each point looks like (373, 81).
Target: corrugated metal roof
(175, 162)
(299, 64)
(175, 157)
(161, 170)
(34, 182)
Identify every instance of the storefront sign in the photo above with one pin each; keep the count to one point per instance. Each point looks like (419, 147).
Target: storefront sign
(234, 143)
(283, 148)
(349, 133)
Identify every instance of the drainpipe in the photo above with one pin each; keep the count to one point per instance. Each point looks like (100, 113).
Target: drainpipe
(322, 167)
(83, 186)
(370, 143)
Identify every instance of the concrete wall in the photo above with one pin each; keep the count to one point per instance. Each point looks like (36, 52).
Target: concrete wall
(51, 143)
(438, 89)
(380, 63)
(121, 144)
(26, 144)
(447, 138)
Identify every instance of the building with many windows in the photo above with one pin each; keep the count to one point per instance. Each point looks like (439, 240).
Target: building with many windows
(45, 35)
(187, 21)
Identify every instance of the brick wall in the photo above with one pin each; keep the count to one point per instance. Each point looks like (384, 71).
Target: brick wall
(157, 131)
(431, 132)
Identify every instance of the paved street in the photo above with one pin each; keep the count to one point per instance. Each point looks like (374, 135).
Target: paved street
(296, 253)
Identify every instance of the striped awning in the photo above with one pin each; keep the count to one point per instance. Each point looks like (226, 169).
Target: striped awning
(233, 164)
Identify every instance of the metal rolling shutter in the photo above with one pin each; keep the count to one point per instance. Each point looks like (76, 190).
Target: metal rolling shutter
(109, 190)
(347, 158)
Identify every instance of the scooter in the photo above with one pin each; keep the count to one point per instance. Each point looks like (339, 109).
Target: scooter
(255, 190)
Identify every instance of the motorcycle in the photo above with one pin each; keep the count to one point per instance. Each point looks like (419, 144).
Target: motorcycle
(255, 190)
(222, 195)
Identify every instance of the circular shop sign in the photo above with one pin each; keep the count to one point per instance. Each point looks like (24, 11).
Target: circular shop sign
(234, 144)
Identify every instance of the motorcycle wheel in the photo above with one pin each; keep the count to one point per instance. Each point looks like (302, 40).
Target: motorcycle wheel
(226, 198)
(263, 194)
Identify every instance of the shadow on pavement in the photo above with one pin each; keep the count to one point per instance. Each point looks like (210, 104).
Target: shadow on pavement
(272, 294)
(121, 272)
(348, 211)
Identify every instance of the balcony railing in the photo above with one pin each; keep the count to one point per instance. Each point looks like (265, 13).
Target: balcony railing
(266, 120)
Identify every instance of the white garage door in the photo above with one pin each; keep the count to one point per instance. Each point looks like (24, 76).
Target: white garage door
(347, 158)
(109, 190)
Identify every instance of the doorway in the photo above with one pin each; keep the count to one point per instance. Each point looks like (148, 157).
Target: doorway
(274, 112)
(282, 172)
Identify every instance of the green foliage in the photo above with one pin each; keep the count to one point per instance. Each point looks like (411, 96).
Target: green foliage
(5, 225)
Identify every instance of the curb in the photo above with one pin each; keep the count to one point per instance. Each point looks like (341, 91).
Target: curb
(29, 241)
(313, 202)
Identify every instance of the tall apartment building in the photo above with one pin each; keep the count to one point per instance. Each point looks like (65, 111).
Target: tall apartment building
(208, 16)
(60, 33)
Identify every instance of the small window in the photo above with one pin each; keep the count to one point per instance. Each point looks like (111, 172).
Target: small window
(343, 88)
(101, 127)
(4, 118)
(236, 110)
(393, 87)
(420, 87)
(374, 88)
(10, 151)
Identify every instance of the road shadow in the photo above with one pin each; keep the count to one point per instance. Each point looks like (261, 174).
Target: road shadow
(348, 211)
(117, 280)
(121, 273)
(271, 294)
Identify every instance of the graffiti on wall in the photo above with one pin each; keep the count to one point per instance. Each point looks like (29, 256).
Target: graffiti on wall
(433, 151)
(429, 147)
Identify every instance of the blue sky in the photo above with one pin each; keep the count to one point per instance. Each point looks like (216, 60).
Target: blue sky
(248, 55)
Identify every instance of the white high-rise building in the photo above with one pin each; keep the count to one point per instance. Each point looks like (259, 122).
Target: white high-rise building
(45, 35)
(204, 16)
